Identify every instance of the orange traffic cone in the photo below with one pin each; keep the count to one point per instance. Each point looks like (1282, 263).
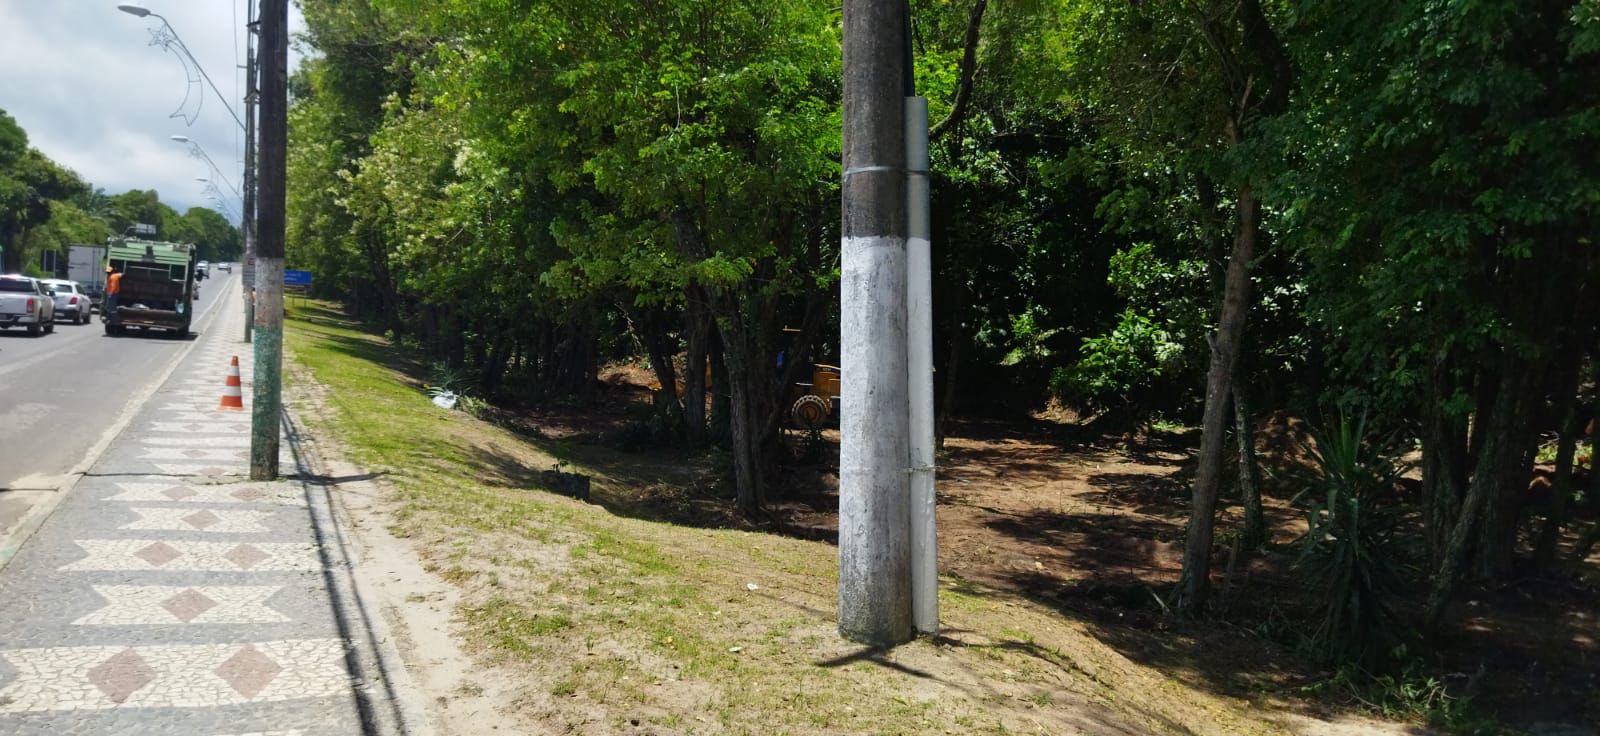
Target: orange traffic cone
(232, 395)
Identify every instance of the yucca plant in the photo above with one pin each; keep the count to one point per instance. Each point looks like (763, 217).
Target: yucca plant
(1348, 551)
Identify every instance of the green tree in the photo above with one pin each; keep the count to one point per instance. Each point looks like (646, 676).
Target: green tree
(28, 183)
(1182, 92)
(1446, 195)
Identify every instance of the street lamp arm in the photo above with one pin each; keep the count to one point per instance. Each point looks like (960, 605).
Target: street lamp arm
(134, 10)
(195, 148)
(202, 69)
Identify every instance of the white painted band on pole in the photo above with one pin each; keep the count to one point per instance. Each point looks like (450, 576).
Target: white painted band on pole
(919, 366)
(874, 552)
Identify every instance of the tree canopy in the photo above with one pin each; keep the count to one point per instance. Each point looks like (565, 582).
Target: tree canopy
(1200, 212)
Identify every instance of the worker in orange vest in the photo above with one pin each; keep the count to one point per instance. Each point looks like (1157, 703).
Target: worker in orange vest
(113, 287)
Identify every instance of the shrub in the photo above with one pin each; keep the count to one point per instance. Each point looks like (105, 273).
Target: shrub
(1349, 552)
(1117, 370)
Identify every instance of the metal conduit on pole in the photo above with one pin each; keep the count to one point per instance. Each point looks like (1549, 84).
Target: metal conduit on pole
(919, 325)
(248, 220)
(874, 509)
(268, 407)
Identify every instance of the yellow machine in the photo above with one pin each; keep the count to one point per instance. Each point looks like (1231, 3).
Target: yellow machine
(811, 404)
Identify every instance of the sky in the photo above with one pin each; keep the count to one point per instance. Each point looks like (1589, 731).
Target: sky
(93, 94)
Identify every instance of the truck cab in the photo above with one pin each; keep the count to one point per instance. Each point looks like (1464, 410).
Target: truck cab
(157, 287)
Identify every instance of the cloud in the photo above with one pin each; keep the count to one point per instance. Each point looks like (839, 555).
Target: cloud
(93, 94)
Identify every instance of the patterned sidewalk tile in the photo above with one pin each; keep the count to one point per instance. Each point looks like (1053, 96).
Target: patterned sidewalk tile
(157, 554)
(234, 493)
(168, 596)
(200, 427)
(180, 453)
(218, 521)
(184, 676)
(195, 441)
(150, 605)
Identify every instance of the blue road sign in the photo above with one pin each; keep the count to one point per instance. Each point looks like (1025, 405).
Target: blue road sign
(296, 278)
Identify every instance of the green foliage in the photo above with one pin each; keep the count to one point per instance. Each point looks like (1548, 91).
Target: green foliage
(1118, 369)
(29, 183)
(1348, 553)
(1412, 693)
(446, 381)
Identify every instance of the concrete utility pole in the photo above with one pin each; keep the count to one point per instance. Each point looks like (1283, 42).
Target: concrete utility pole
(265, 414)
(248, 221)
(874, 486)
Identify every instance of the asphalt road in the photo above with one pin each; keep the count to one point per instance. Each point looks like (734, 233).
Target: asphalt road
(59, 393)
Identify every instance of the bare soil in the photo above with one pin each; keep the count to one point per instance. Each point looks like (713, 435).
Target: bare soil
(1092, 527)
(1055, 545)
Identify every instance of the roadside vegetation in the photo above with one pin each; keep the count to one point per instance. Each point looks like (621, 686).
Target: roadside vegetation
(1319, 279)
(47, 207)
(608, 619)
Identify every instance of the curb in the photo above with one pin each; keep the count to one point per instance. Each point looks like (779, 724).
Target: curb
(388, 700)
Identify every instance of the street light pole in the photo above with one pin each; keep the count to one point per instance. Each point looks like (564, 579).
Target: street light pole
(248, 220)
(266, 412)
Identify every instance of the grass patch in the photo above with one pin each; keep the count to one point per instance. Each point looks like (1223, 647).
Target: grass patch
(613, 619)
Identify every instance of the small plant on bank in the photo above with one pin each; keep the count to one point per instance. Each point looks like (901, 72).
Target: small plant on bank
(450, 388)
(1409, 693)
(1348, 552)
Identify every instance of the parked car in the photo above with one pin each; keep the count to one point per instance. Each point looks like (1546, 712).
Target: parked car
(24, 302)
(72, 301)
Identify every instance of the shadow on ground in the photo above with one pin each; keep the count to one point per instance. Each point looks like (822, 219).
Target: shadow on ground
(1088, 526)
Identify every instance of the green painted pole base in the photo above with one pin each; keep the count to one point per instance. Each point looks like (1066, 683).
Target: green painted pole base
(268, 394)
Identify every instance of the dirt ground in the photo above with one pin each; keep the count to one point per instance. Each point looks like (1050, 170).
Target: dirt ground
(1055, 546)
(1093, 527)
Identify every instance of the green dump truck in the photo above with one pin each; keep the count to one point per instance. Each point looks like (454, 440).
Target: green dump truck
(157, 286)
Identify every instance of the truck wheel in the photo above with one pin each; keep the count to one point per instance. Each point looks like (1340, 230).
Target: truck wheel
(33, 330)
(51, 327)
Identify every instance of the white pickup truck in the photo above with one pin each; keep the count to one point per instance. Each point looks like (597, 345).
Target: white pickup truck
(24, 302)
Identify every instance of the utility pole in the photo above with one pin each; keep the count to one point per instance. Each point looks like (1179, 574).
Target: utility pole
(266, 412)
(874, 486)
(248, 223)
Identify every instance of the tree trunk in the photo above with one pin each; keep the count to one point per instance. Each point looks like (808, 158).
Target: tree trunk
(1591, 537)
(1544, 549)
(1255, 524)
(455, 338)
(1195, 585)
(1498, 451)
(721, 396)
(694, 371)
(1509, 469)
(494, 366)
(744, 379)
(650, 327)
(952, 365)
(1571, 417)
(1444, 458)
